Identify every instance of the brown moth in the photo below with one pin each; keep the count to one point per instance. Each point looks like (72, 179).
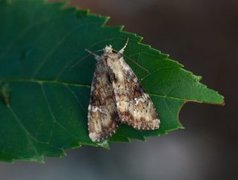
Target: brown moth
(117, 97)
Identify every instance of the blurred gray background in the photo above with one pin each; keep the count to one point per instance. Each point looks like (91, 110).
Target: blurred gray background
(202, 35)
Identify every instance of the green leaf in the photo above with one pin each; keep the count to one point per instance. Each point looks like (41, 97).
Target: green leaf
(45, 77)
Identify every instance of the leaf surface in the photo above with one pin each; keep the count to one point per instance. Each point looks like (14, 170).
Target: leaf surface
(45, 78)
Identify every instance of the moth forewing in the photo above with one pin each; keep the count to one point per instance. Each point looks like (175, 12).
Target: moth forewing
(102, 113)
(134, 106)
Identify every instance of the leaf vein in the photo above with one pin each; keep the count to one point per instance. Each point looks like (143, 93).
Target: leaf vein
(76, 97)
(29, 136)
(52, 114)
(21, 35)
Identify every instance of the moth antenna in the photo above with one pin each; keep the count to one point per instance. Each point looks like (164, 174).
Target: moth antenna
(97, 57)
(124, 47)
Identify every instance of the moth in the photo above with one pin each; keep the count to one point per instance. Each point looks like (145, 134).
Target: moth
(117, 97)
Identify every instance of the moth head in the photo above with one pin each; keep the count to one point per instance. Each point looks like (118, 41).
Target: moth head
(108, 49)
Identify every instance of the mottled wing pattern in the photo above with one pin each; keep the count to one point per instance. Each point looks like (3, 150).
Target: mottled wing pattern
(134, 106)
(102, 113)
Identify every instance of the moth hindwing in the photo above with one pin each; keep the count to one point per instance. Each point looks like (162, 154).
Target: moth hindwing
(116, 96)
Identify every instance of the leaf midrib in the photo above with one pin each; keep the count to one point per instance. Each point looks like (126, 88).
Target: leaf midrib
(67, 84)
(42, 81)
